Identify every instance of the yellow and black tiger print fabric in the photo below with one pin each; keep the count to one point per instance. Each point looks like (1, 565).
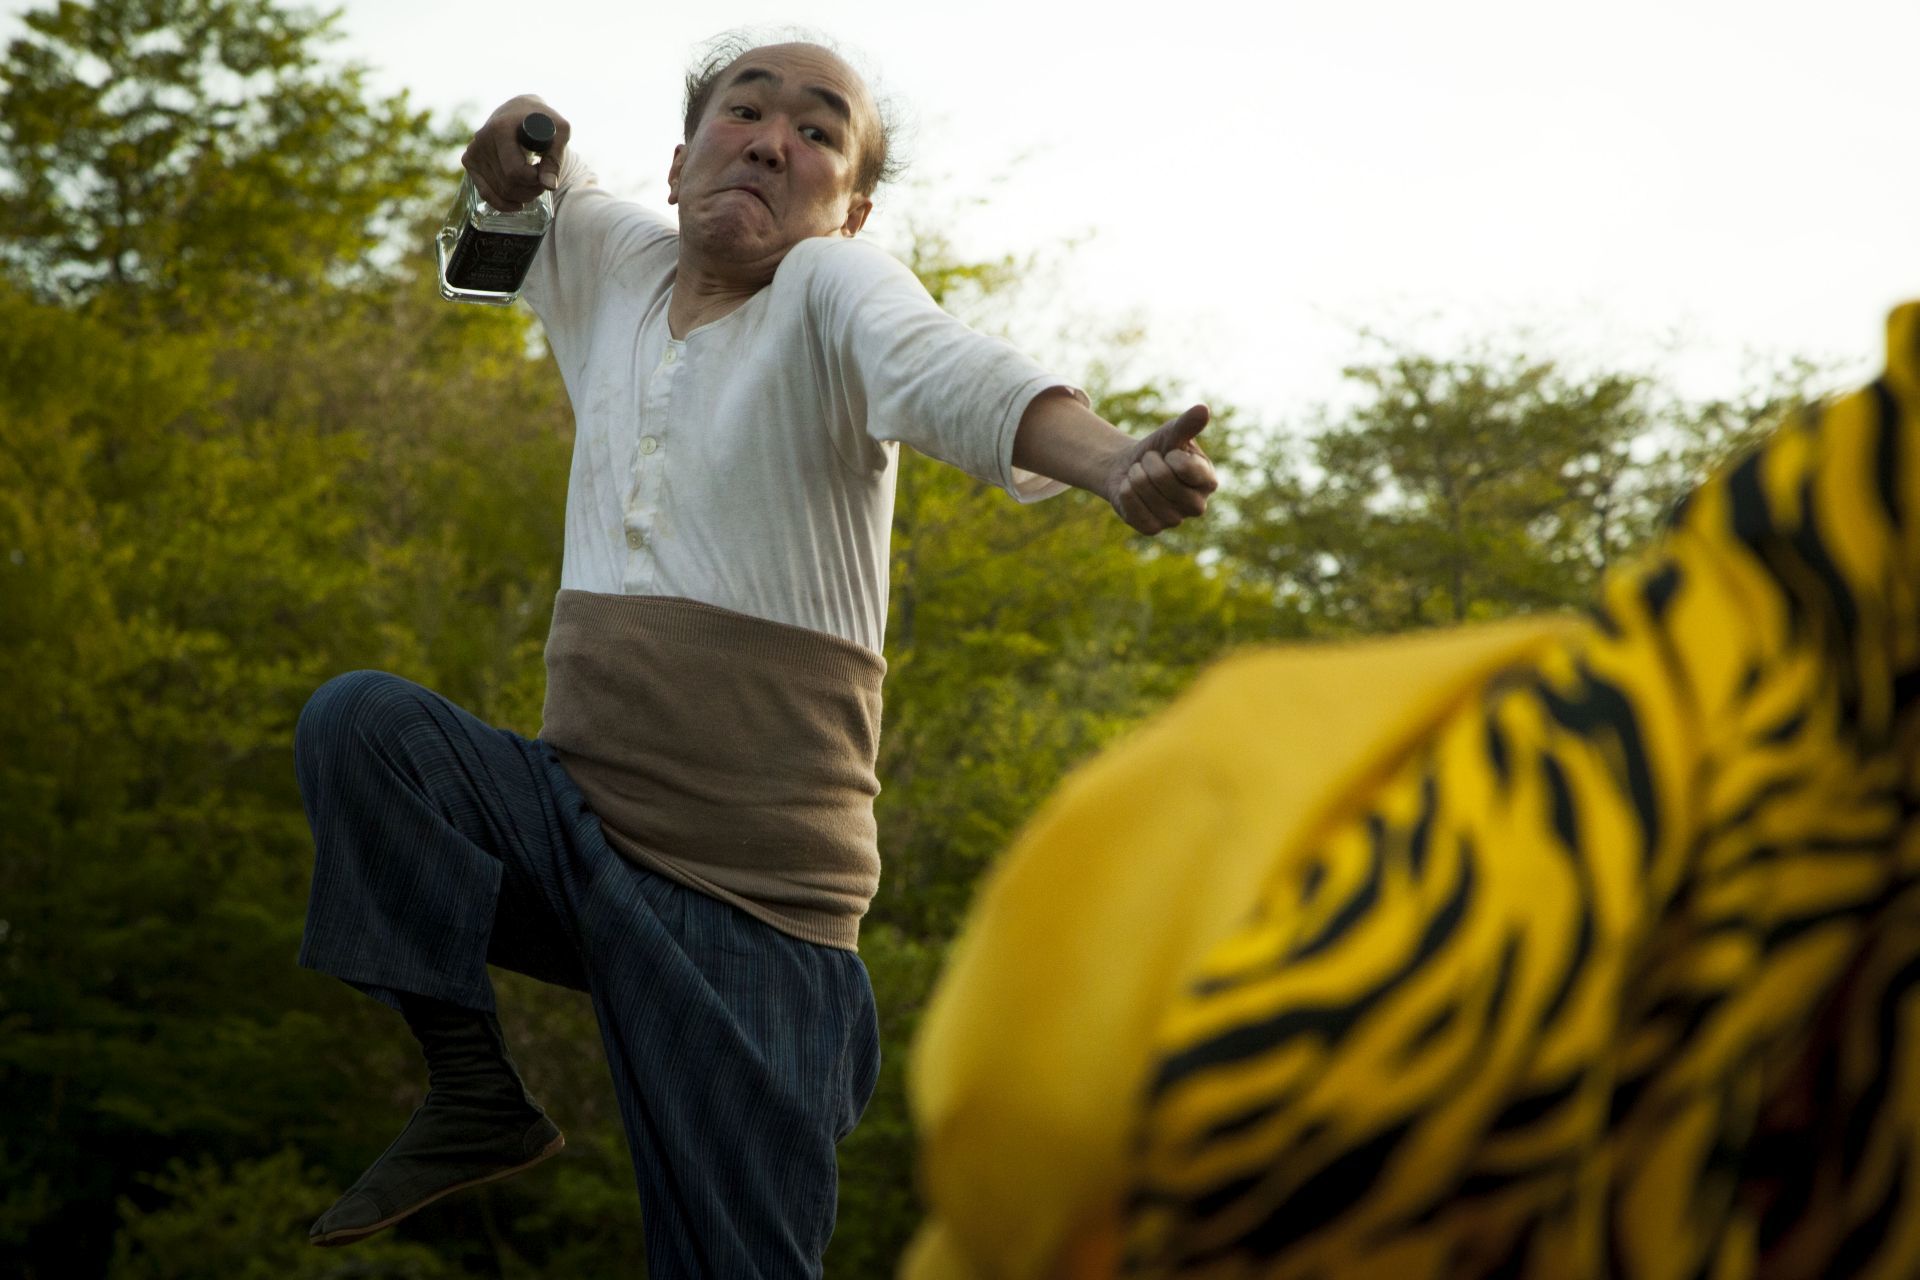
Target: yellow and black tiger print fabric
(1605, 963)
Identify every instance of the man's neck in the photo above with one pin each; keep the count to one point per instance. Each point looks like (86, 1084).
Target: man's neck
(702, 295)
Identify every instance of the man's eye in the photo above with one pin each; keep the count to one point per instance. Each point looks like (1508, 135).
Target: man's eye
(816, 133)
(750, 112)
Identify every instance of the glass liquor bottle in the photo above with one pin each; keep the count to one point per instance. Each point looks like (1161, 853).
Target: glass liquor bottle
(484, 253)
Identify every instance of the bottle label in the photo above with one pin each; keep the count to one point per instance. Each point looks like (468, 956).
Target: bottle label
(491, 261)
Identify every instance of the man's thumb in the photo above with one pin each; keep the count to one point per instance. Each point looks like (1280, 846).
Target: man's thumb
(1184, 428)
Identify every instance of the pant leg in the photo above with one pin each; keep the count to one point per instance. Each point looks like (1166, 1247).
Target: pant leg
(741, 1057)
(436, 846)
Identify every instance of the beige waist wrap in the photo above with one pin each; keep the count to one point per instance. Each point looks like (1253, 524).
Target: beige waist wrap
(728, 753)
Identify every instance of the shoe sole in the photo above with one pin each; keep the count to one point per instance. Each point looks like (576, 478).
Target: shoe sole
(348, 1235)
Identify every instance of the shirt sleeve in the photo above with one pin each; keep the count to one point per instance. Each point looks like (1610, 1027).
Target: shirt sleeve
(909, 372)
(593, 234)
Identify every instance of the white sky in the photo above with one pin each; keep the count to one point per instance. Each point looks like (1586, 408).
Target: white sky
(1680, 181)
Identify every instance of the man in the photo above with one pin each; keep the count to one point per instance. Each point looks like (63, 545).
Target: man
(690, 838)
(1567, 947)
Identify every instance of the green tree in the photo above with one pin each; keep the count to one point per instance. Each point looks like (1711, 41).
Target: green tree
(198, 155)
(241, 450)
(245, 1223)
(1456, 489)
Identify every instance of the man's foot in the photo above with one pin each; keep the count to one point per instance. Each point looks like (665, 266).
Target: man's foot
(445, 1148)
(479, 1124)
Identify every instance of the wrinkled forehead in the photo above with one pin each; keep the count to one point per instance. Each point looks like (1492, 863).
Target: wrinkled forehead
(812, 69)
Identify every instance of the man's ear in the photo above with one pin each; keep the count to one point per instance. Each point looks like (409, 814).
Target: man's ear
(857, 212)
(673, 173)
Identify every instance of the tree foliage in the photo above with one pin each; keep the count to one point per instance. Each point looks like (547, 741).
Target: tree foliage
(244, 1222)
(197, 149)
(1474, 486)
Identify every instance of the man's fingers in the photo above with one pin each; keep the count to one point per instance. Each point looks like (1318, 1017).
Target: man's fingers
(489, 180)
(550, 162)
(492, 196)
(507, 154)
(513, 177)
(499, 200)
(1194, 469)
(1135, 512)
(1181, 501)
(1150, 498)
(509, 193)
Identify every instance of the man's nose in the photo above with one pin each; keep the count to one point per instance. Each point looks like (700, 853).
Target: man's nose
(766, 147)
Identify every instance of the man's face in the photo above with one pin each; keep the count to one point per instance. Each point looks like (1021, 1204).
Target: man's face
(773, 159)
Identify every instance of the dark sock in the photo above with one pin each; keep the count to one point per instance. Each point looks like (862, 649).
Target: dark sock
(466, 1053)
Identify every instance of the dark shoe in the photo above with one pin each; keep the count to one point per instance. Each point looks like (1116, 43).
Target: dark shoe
(477, 1125)
(438, 1153)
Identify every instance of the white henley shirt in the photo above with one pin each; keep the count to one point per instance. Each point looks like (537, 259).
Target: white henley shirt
(751, 464)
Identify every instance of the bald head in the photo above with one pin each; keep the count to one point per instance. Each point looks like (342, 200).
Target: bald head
(825, 75)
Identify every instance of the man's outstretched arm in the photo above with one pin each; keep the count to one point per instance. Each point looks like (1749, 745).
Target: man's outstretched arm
(1153, 483)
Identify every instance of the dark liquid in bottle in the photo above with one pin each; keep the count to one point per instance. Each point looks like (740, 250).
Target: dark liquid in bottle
(495, 261)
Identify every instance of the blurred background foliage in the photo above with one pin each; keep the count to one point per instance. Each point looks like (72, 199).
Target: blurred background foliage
(244, 446)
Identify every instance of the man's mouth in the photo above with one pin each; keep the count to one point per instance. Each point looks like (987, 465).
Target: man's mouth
(752, 192)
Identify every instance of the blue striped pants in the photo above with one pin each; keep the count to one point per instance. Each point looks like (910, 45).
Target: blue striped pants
(741, 1056)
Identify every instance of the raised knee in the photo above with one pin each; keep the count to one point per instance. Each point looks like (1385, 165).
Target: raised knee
(344, 709)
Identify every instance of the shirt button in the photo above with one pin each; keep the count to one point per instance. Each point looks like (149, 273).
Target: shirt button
(672, 355)
(635, 538)
(648, 444)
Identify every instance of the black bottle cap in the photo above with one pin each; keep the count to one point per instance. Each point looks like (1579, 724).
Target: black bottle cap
(536, 132)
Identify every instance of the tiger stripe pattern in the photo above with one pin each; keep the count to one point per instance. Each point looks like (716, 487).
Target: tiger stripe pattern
(1618, 972)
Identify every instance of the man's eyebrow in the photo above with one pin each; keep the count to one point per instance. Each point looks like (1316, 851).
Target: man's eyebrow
(833, 100)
